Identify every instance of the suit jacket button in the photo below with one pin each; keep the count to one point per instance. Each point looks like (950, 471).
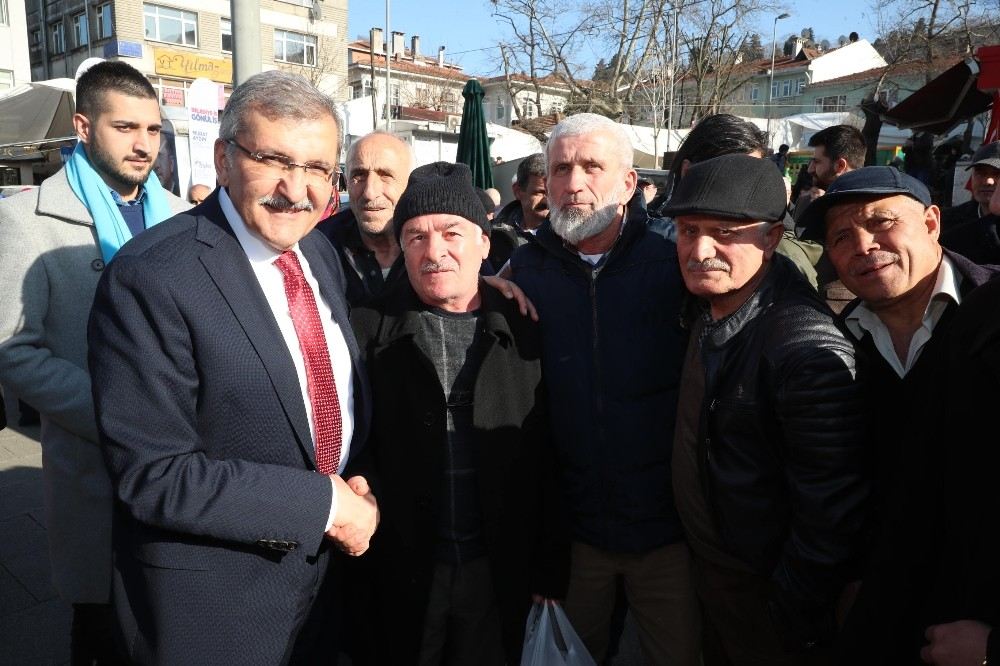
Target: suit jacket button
(97, 264)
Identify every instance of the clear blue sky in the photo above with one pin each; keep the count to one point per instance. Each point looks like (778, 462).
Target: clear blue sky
(468, 30)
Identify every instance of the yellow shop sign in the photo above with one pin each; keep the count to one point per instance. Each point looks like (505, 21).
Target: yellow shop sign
(192, 65)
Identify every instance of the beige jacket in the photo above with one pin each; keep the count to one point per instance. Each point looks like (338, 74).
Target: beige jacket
(51, 265)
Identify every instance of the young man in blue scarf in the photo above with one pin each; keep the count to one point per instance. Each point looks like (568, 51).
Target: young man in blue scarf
(54, 243)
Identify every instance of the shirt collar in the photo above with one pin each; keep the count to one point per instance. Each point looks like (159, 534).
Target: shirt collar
(117, 198)
(946, 289)
(257, 251)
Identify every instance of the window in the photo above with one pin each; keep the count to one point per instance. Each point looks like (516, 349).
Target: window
(800, 85)
(888, 97)
(501, 109)
(104, 25)
(36, 38)
(362, 88)
(6, 79)
(774, 88)
(755, 93)
(164, 24)
(395, 94)
(81, 35)
(449, 102)
(171, 93)
(4, 20)
(832, 103)
(58, 38)
(786, 88)
(294, 47)
(226, 28)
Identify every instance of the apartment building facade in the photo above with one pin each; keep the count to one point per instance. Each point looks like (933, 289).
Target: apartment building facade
(427, 83)
(175, 41)
(15, 67)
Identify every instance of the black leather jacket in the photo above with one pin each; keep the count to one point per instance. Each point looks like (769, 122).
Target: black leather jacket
(782, 440)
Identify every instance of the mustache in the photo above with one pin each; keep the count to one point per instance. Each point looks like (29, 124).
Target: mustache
(712, 264)
(372, 205)
(873, 260)
(437, 266)
(280, 202)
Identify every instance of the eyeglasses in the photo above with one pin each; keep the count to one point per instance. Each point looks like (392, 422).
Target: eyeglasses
(278, 165)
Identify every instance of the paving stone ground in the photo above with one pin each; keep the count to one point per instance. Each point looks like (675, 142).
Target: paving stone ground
(34, 622)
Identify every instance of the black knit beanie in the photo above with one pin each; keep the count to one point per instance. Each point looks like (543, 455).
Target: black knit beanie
(440, 187)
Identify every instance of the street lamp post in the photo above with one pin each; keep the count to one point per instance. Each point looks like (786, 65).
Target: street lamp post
(388, 86)
(770, 84)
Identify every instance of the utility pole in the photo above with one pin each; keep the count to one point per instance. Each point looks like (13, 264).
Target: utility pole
(246, 39)
(770, 85)
(673, 75)
(388, 87)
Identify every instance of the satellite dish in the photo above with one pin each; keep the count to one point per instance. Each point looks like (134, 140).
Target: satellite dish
(85, 65)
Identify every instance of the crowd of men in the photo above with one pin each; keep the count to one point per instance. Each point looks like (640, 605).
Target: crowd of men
(274, 435)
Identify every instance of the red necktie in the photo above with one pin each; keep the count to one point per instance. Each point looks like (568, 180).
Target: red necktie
(327, 423)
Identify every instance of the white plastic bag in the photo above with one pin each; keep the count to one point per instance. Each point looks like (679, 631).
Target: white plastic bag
(550, 640)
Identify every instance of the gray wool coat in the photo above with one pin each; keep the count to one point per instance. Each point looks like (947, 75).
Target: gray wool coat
(50, 267)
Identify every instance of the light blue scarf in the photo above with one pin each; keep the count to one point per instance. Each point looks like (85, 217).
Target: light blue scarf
(90, 188)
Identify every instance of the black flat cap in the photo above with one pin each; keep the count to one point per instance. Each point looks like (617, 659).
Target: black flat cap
(737, 187)
(988, 154)
(875, 182)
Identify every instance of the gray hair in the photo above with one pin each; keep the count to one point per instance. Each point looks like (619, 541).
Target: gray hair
(277, 95)
(532, 165)
(586, 123)
(352, 150)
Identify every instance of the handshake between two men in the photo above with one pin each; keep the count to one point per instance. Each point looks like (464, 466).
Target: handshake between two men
(356, 517)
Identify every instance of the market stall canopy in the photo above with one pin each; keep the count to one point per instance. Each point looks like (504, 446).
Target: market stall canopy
(947, 100)
(33, 115)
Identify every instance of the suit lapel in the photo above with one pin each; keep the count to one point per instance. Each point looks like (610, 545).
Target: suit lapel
(231, 272)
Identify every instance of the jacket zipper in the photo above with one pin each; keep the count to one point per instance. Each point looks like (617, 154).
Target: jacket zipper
(599, 405)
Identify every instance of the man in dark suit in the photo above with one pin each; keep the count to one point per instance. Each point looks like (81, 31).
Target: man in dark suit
(229, 400)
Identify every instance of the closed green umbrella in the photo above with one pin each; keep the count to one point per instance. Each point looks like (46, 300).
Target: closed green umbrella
(473, 143)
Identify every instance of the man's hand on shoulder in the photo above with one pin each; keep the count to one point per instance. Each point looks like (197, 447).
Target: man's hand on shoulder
(357, 515)
(512, 291)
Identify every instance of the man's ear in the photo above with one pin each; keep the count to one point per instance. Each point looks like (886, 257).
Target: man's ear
(631, 178)
(516, 189)
(772, 237)
(221, 166)
(932, 219)
(82, 126)
(840, 167)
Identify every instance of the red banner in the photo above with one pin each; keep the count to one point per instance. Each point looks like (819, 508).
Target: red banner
(993, 127)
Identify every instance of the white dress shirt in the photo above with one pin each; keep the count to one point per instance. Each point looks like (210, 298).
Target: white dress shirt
(262, 257)
(862, 319)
